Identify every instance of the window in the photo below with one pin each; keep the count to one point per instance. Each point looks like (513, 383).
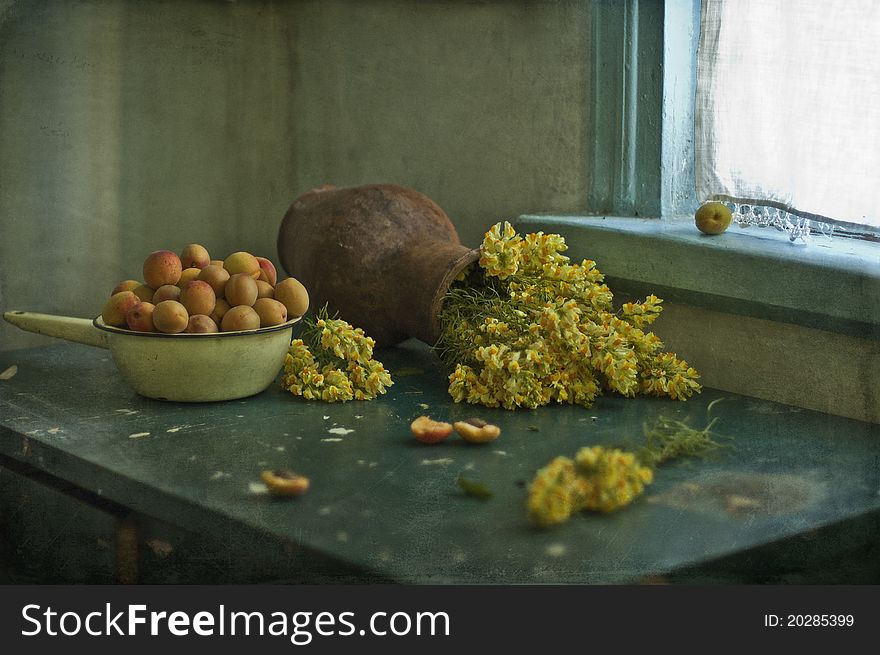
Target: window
(786, 116)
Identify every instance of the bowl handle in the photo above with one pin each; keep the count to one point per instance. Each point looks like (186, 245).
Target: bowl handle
(68, 328)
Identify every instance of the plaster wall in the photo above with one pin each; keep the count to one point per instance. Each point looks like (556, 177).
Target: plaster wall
(130, 126)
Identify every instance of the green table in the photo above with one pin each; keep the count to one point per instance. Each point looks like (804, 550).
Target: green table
(794, 498)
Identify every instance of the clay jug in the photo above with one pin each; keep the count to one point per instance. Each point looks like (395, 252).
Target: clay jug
(380, 255)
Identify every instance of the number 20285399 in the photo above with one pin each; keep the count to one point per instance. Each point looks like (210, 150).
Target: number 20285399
(809, 620)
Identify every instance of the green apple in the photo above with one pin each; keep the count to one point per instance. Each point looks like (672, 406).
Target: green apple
(713, 218)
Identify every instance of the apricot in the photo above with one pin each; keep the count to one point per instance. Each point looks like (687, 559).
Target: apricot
(476, 430)
(117, 307)
(713, 218)
(282, 482)
(293, 295)
(241, 289)
(196, 256)
(267, 271)
(427, 430)
(162, 267)
(240, 317)
(140, 317)
(144, 292)
(265, 290)
(217, 262)
(166, 292)
(219, 310)
(242, 262)
(170, 316)
(126, 285)
(188, 275)
(216, 276)
(271, 312)
(198, 297)
(199, 324)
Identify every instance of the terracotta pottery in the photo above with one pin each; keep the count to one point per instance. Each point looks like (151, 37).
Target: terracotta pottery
(380, 255)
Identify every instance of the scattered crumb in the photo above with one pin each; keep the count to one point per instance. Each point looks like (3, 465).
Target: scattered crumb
(127, 412)
(358, 416)
(331, 439)
(177, 428)
(424, 405)
(342, 536)
(219, 475)
(280, 449)
(470, 466)
(339, 430)
(239, 416)
(54, 430)
(160, 548)
(324, 511)
(326, 417)
(258, 488)
(503, 453)
(9, 372)
(138, 435)
(735, 504)
(556, 550)
(361, 462)
(373, 465)
(442, 460)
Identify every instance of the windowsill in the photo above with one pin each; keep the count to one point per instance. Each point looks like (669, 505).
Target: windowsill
(830, 284)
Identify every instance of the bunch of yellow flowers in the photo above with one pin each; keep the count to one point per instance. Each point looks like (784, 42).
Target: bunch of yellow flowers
(601, 479)
(527, 327)
(598, 479)
(336, 365)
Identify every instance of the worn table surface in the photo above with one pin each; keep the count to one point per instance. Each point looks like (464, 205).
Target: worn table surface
(388, 508)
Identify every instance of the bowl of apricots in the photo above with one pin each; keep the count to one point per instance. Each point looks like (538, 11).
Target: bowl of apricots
(192, 328)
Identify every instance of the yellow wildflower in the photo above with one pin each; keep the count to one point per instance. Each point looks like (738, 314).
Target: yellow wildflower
(551, 493)
(345, 356)
(527, 312)
(610, 478)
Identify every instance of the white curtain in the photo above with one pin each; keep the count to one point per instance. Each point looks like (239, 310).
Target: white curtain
(788, 106)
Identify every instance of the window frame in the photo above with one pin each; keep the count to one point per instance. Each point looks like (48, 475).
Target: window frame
(643, 88)
(643, 82)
